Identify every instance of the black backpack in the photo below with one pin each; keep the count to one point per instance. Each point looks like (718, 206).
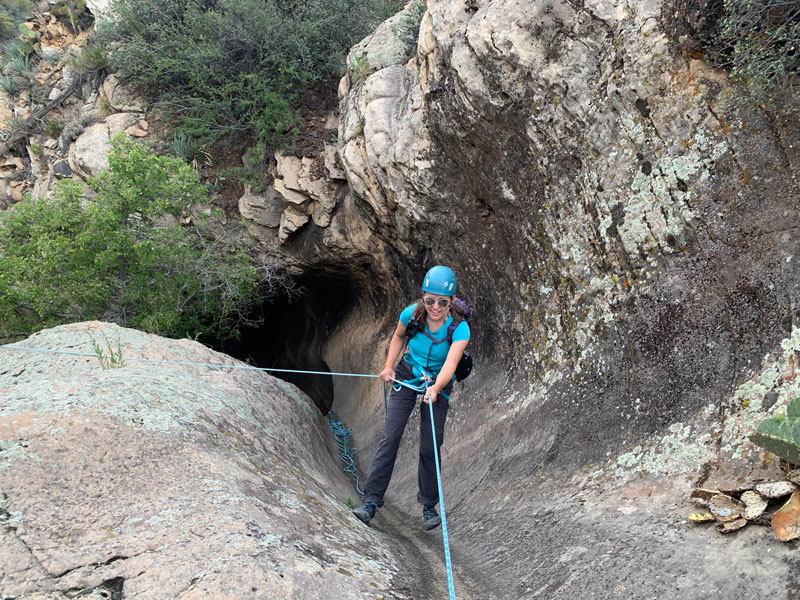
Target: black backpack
(464, 367)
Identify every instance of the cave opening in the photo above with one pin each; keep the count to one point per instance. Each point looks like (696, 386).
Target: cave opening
(295, 330)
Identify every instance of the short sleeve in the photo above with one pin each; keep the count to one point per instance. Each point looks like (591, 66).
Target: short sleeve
(407, 313)
(461, 332)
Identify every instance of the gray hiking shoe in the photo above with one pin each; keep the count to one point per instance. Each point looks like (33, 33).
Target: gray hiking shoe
(431, 517)
(366, 511)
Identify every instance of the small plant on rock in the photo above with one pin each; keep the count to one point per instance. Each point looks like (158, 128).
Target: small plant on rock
(183, 146)
(780, 434)
(73, 129)
(759, 41)
(111, 356)
(53, 129)
(16, 126)
(20, 64)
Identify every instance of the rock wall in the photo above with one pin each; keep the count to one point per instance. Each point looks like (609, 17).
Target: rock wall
(614, 223)
(629, 244)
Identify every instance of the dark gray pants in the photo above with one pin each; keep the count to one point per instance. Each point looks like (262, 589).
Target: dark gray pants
(401, 403)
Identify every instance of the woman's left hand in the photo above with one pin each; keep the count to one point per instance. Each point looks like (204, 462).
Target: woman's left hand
(430, 394)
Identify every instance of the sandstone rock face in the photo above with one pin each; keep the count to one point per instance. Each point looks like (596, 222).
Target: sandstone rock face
(613, 222)
(265, 209)
(158, 481)
(119, 97)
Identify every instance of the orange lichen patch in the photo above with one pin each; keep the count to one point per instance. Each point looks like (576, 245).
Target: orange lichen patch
(786, 521)
(10, 426)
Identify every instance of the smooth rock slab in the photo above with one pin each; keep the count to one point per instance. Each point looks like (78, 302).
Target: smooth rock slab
(186, 482)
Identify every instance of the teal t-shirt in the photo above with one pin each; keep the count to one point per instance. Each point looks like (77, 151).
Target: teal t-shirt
(423, 351)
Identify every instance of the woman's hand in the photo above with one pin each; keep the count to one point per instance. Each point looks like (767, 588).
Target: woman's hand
(431, 394)
(387, 374)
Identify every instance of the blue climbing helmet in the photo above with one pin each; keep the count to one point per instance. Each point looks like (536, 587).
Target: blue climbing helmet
(440, 280)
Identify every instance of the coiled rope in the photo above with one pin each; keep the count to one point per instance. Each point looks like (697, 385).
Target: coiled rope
(341, 436)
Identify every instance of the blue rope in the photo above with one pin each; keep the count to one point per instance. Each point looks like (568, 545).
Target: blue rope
(188, 364)
(341, 436)
(441, 507)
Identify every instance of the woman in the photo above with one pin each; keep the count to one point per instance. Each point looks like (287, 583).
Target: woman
(429, 354)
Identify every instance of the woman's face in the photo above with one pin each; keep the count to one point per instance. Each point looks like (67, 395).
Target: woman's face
(436, 306)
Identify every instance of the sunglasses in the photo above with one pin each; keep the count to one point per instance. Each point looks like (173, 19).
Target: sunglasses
(442, 302)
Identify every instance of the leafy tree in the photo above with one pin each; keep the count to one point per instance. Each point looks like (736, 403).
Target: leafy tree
(119, 254)
(222, 67)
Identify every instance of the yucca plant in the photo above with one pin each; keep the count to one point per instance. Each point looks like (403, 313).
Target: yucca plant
(8, 85)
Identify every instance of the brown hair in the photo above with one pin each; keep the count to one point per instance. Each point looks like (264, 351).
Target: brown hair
(454, 311)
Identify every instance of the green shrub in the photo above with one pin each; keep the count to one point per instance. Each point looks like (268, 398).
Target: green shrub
(53, 129)
(19, 10)
(113, 256)
(92, 60)
(7, 27)
(384, 9)
(759, 41)
(12, 13)
(223, 67)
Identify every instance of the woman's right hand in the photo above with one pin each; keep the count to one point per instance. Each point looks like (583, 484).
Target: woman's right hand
(387, 374)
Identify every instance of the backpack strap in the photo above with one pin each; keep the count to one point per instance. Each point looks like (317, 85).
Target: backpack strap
(414, 325)
(450, 329)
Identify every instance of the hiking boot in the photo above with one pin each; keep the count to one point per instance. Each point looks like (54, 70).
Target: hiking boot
(431, 517)
(366, 511)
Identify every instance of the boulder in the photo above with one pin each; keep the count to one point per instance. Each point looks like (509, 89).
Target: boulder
(62, 169)
(120, 97)
(155, 481)
(88, 155)
(333, 168)
(265, 209)
(101, 9)
(302, 179)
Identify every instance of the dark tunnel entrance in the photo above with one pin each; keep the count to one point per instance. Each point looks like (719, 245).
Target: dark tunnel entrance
(294, 332)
